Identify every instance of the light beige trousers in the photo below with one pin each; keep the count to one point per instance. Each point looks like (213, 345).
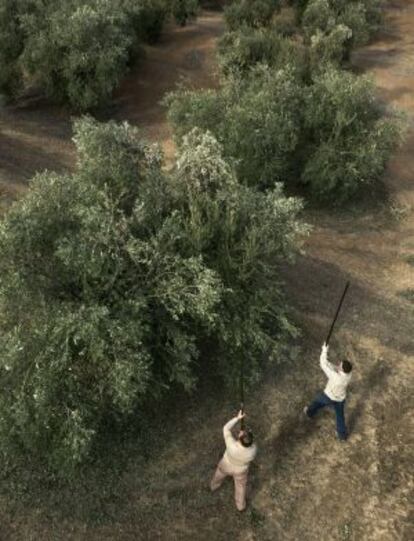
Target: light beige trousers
(224, 470)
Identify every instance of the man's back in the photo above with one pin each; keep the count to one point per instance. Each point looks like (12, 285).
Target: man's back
(236, 454)
(235, 462)
(337, 379)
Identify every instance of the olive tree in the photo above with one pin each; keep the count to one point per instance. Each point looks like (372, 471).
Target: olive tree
(328, 49)
(242, 50)
(257, 119)
(250, 13)
(243, 234)
(328, 22)
(183, 10)
(318, 15)
(89, 54)
(146, 18)
(12, 42)
(77, 50)
(114, 279)
(349, 137)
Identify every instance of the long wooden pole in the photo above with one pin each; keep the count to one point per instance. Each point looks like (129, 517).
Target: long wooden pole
(337, 313)
(242, 391)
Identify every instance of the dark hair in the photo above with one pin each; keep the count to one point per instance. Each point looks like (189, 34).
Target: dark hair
(346, 367)
(246, 439)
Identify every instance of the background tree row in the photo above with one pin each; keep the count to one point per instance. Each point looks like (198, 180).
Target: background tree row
(287, 110)
(77, 50)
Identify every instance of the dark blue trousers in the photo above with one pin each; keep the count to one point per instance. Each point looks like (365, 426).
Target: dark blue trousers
(323, 400)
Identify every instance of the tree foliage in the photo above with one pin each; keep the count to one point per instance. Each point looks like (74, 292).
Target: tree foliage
(257, 119)
(145, 18)
(250, 13)
(241, 50)
(330, 135)
(11, 46)
(335, 24)
(349, 138)
(78, 50)
(329, 49)
(89, 54)
(113, 278)
(183, 10)
(276, 94)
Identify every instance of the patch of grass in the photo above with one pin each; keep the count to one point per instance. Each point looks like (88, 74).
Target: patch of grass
(399, 212)
(257, 519)
(345, 531)
(90, 497)
(407, 294)
(410, 259)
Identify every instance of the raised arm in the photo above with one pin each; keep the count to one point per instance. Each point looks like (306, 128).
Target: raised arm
(228, 436)
(326, 366)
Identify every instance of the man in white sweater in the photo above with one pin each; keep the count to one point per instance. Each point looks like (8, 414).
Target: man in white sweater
(239, 453)
(335, 391)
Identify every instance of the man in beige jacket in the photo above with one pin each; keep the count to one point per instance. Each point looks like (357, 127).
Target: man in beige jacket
(239, 453)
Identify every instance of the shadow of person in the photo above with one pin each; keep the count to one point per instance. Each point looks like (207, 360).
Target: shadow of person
(364, 390)
(295, 431)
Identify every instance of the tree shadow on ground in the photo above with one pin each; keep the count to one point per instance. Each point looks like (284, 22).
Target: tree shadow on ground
(294, 431)
(20, 160)
(367, 59)
(365, 390)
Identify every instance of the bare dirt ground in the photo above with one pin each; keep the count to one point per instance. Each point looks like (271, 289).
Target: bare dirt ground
(305, 485)
(35, 135)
